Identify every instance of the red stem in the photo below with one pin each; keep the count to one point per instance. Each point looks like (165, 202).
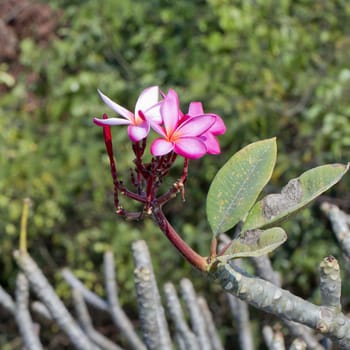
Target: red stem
(107, 135)
(184, 171)
(183, 178)
(178, 186)
(190, 255)
(130, 194)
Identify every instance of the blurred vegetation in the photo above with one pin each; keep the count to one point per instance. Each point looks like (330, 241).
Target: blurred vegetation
(269, 68)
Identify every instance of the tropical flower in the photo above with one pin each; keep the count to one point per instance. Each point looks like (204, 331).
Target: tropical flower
(147, 109)
(181, 133)
(218, 128)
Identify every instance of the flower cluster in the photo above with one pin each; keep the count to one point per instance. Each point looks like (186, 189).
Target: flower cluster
(190, 135)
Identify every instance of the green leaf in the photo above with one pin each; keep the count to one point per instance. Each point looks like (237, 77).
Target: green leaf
(254, 243)
(294, 196)
(238, 183)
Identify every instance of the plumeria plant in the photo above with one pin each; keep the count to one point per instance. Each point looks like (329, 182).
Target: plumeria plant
(233, 194)
(234, 201)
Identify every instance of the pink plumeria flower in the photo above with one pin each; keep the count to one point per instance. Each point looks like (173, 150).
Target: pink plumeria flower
(180, 134)
(147, 109)
(218, 128)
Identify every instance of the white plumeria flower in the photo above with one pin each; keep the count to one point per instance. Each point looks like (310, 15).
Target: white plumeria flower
(147, 109)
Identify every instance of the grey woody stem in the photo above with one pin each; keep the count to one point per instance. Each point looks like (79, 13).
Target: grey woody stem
(45, 292)
(267, 297)
(152, 315)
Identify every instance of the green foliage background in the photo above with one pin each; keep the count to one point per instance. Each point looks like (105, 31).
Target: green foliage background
(269, 68)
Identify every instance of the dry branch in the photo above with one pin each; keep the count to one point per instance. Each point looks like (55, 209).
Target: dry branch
(272, 299)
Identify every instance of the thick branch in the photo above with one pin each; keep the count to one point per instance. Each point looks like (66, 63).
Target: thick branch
(267, 297)
(264, 270)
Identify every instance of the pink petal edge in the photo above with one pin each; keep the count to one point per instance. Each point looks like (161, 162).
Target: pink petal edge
(170, 111)
(212, 144)
(195, 108)
(190, 147)
(219, 127)
(160, 147)
(196, 126)
(138, 132)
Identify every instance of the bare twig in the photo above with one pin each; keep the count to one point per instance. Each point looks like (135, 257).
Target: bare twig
(197, 320)
(89, 296)
(239, 308)
(210, 325)
(240, 312)
(264, 269)
(24, 321)
(41, 310)
(118, 315)
(303, 332)
(152, 315)
(274, 340)
(187, 339)
(6, 301)
(86, 323)
(47, 295)
(180, 342)
(341, 225)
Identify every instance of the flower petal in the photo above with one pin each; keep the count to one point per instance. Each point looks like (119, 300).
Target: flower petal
(148, 98)
(195, 108)
(190, 147)
(138, 132)
(158, 129)
(159, 147)
(152, 114)
(195, 126)
(219, 127)
(111, 121)
(211, 143)
(170, 111)
(115, 107)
